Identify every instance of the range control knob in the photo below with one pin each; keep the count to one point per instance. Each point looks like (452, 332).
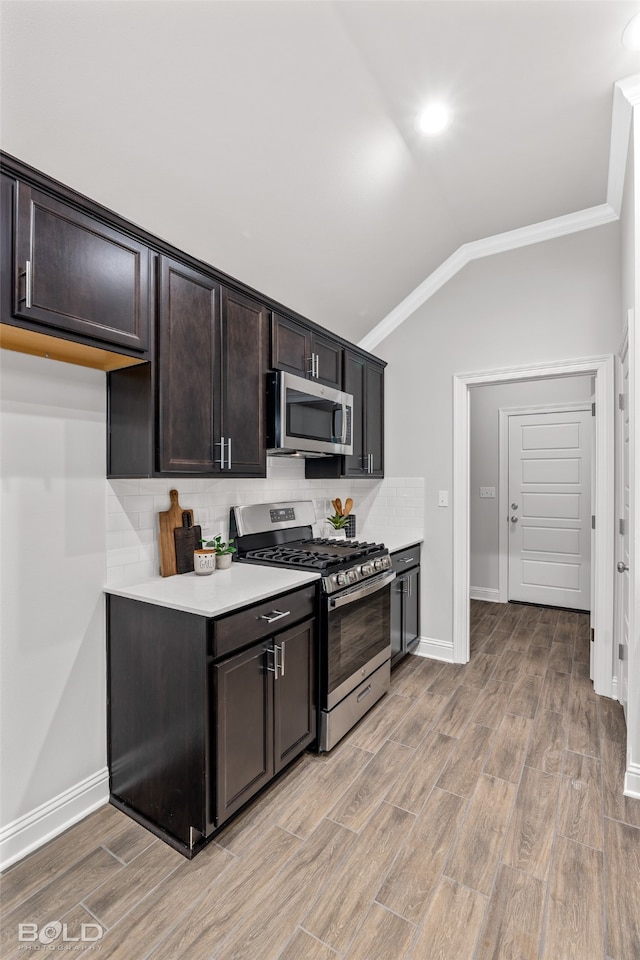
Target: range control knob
(367, 569)
(378, 564)
(353, 574)
(342, 579)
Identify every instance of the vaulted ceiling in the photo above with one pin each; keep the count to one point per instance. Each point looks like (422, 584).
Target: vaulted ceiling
(277, 140)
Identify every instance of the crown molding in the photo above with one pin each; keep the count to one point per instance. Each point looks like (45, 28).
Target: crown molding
(626, 95)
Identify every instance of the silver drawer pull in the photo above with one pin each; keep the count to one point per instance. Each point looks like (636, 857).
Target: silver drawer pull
(365, 692)
(404, 559)
(275, 615)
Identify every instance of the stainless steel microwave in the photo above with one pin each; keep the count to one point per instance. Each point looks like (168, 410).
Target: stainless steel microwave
(307, 418)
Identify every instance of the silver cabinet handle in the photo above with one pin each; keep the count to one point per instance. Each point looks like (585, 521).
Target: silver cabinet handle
(27, 284)
(273, 669)
(365, 692)
(404, 559)
(514, 519)
(317, 356)
(311, 372)
(279, 649)
(220, 443)
(371, 462)
(275, 615)
(229, 454)
(622, 567)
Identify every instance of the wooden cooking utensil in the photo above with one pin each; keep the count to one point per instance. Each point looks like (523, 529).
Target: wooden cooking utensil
(347, 507)
(169, 520)
(338, 505)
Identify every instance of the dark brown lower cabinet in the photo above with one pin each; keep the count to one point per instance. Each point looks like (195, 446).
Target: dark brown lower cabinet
(202, 713)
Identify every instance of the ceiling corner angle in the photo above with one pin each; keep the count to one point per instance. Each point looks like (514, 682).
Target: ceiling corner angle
(625, 96)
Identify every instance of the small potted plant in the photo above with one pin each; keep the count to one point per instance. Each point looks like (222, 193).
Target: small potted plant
(223, 551)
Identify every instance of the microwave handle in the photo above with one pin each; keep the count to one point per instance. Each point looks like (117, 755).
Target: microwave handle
(372, 586)
(345, 422)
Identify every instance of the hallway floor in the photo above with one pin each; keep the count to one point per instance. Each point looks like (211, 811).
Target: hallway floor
(477, 812)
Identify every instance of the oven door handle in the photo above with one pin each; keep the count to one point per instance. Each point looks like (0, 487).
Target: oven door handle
(365, 591)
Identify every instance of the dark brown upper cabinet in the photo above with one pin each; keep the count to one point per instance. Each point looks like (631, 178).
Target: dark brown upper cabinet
(305, 352)
(364, 379)
(202, 410)
(74, 274)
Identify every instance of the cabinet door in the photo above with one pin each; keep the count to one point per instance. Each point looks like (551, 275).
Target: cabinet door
(329, 355)
(189, 364)
(397, 598)
(244, 727)
(412, 607)
(354, 383)
(290, 346)
(374, 419)
(245, 350)
(74, 273)
(294, 693)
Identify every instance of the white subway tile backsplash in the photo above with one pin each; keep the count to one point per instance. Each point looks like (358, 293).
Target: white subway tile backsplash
(133, 506)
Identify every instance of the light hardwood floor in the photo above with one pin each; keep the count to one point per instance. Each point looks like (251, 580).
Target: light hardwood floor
(477, 812)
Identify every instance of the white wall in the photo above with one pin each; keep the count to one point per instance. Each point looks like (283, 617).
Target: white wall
(551, 301)
(52, 508)
(485, 404)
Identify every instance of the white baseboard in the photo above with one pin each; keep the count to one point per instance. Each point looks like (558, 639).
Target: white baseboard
(485, 593)
(632, 781)
(35, 828)
(435, 649)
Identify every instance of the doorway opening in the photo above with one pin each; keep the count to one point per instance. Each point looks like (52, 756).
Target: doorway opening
(602, 370)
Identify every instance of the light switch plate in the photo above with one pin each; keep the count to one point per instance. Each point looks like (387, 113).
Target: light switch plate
(443, 498)
(487, 493)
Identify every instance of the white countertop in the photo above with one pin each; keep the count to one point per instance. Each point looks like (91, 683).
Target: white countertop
(392, 539)
(222, 591)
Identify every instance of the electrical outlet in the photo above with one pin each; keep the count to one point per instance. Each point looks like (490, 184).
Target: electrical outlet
(443, 498)
(203, 515)
(488, 493)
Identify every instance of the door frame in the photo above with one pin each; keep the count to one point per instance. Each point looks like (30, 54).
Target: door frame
(503, 477)
(602, 368)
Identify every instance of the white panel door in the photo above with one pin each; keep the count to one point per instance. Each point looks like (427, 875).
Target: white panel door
(624, 519)
(550, 508)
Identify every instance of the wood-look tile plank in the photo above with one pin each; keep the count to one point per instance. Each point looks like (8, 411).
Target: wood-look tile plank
(565, 631)
(303, 946)
(455, 713)
(548, 616)
(341, 907)
(126, 840)
(23, 879)
(583, 733)
(229, 897)
(415, 873)
(574, 929)
(59, 896)
(581, 684)
(361, 798)
(413, 728)
(510, 748)
(525, 695)
(530, 838)
(508, 666)
(612, 724)
(413, 786)
(535, 660)
(115, 897)
(444, 937)
(555, 691)
(448, 679)
(492, 703)
(520, 638)
(581, 650)
(414, 675)
(580, 809)
(616, 805)
(548, 738)
(379, 723)
(301, 812)
(467, 760)
(382, 935)
(479, 669)
(514, 919)
(496, 643)
(480, 839)
(622, 873)
(560, 658)
(318, 865)
(542, 635)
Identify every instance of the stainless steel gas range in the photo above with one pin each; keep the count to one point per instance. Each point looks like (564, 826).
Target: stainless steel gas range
(355, 600)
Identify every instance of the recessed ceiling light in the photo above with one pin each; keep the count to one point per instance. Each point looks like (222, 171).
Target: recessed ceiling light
(434, 118)
(631, 34)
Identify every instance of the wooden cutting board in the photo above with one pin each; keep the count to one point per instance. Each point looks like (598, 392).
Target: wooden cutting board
(169, 520)
(187, 540)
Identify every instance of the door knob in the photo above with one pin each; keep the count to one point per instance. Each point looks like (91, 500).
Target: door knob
(622, 566)
(514, 506)
(514, 519)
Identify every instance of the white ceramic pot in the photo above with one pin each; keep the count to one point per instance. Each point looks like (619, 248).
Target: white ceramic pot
(223, 561)
(204, 562)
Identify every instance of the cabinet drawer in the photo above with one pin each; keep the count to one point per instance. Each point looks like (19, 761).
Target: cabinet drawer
(405, 559)
(262, 620)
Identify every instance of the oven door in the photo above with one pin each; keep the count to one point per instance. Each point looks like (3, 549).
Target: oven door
(357, 636)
